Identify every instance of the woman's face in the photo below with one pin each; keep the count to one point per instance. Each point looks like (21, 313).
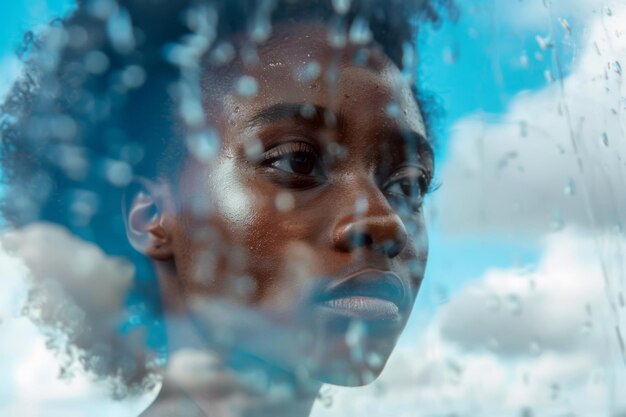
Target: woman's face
(302, 242)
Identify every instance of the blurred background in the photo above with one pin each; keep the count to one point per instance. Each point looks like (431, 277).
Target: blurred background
(522, 311)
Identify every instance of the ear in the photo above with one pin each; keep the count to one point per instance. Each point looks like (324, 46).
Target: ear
(145, 219)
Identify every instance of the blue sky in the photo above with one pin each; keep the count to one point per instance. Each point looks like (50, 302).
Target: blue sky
(19, 16)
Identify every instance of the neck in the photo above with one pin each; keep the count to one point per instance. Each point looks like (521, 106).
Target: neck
(205, 383)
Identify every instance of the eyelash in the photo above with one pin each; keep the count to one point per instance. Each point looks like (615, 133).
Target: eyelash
(287, 176)
(422, 181)
(288, 148)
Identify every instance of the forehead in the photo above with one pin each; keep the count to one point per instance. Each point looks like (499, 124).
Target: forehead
(298, 64)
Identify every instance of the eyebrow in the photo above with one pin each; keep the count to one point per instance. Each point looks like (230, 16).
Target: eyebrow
(289, 111)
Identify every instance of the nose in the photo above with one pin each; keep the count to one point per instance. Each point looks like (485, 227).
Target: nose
(377, 227)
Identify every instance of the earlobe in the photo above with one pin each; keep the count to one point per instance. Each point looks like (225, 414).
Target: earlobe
(145, 222)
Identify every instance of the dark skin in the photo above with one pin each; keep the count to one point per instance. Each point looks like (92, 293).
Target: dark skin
(320, 176)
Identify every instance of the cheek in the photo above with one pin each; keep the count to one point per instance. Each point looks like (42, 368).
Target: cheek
(254, 232)
(232, 200)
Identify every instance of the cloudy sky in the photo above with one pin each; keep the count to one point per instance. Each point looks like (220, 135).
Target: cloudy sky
(521, 311)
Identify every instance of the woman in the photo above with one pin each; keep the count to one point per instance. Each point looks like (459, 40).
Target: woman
(272, 159)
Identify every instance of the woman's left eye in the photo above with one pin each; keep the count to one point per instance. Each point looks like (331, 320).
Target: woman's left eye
(410, 183)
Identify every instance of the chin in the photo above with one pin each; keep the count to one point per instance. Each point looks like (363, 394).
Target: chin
(353, 366)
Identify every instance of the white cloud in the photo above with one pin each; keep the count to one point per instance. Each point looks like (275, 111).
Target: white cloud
(32, 385)
(556, 351)
(51, 254)
(521, 172)
(525, 300)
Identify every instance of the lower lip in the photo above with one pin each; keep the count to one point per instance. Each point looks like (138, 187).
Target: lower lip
(368, 308)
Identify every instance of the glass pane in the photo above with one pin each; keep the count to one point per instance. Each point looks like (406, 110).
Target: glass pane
(305, 207)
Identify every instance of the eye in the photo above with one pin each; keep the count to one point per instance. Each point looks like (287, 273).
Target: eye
(409, 183)
(296, 164)
(300, 163)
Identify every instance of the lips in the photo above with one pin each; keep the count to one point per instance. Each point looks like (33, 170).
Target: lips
(368, 294)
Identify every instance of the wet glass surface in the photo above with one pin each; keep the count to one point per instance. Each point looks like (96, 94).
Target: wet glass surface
(325, 208)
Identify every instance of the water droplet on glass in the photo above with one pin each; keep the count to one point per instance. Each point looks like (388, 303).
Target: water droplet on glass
(118, 173)
(354, 339)
(249, 55)
(244, 286)
(222, 54)
(56, 38)
(325, 396)
(134, 76)
(307, 111)
(617, 67)
(361, 206)
(132, 153)
(586, 328)
(570, 188)
(96, 62)
(261, 29)
(450, 55)
(548, 76)
(77, 36)
(360, 33)
(84, 205)
(309, 72)
(544, 43)
(341, 6)
(337, 36)
(375, 360)
(565, 24)
(253, 148)
(203, 145)
(284, 201)
(337, 151)
(608, 11)
(409, 60)
(63, 127)
(247, 86)
(523, 60)
(120, 31)
(393, 110)
(557, 222)
(605, 139)
(360, 57)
